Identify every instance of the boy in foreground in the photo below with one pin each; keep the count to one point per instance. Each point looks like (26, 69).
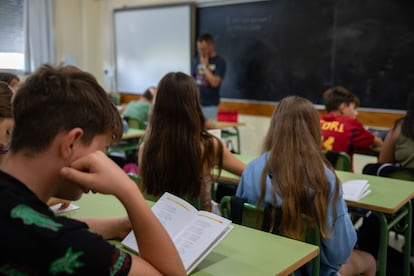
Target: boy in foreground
(64, 123)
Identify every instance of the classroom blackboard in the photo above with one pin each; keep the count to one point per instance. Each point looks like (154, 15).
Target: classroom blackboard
(285, 47)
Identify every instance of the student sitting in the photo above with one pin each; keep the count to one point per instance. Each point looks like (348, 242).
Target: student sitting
(178, 154)
(399, 143)
(64, 123)
(139, 110)
(398, 148)
(293, 174)
(11, 79)
(341, 129)
(6, 118)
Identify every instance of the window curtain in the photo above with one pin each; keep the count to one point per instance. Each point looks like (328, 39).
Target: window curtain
(38, 29)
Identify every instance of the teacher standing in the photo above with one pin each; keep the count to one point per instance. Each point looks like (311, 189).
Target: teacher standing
(208, 70)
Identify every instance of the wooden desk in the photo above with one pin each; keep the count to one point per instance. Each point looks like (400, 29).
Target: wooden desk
(133, 134)
(226, 176)
(379, 132)
(221, 125)
(244, 251)
(139, 133)
(390, 201)
(370, 152)
(128, 143)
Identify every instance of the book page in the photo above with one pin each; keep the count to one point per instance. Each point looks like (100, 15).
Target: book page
(173, 213)
(199, 237)
(355, 189)
(194, 233)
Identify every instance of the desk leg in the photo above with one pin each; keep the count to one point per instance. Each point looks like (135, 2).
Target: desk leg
(407, 242)
(385, 225)
(238, 140)
(383, 244)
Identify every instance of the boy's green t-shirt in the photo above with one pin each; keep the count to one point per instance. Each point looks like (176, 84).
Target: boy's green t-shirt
(137, 110)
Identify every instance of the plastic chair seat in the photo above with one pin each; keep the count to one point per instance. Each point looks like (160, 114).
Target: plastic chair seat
(240, 212)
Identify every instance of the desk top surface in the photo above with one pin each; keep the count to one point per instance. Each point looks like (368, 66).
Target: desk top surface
(388, 195)
(244, 251)
(221, 125)
(233, 178)
(139, 133)
(133, 133)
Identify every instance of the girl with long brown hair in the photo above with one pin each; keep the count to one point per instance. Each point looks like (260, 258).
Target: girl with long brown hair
(178, 154)
(294, 175)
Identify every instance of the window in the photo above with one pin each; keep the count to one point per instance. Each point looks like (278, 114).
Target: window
(12, 35)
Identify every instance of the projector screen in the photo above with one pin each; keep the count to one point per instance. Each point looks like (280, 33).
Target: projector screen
(150, 42)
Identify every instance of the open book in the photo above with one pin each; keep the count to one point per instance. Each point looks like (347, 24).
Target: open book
(355, 189)
(194, 233)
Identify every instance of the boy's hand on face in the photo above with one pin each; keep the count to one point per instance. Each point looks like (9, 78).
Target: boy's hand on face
(96, 172)
(204, 60)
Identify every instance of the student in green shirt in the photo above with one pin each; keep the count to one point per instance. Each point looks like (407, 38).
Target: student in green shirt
(138, 110)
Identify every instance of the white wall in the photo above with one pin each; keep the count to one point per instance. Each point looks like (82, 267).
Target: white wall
(84, 36)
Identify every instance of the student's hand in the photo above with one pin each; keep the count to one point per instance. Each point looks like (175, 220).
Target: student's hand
(97, 173)
(204, 60)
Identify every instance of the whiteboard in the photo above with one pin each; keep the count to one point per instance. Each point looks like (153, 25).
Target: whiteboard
(150, 42)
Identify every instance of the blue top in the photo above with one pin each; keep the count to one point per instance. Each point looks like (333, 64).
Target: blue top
(335, 250)
(209, 95)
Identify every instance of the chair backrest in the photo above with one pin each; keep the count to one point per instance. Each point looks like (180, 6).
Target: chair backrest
(340, 160)
(389, 170)
(240, 212)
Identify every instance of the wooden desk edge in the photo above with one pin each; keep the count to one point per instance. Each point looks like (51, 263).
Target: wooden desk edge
(221, 125)
(300, 263)
(389, 211)
(132, 136)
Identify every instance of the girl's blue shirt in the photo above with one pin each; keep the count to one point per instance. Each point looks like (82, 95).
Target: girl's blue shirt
(335, 250)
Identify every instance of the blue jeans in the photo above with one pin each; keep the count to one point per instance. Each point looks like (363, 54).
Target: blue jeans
(210, 112)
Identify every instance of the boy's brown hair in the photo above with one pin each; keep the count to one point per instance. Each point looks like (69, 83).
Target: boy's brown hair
(207, 37)
(55, 99)
(335, 96)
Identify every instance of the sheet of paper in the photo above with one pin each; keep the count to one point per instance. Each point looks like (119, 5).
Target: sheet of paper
(355, 189)
(55, 208)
